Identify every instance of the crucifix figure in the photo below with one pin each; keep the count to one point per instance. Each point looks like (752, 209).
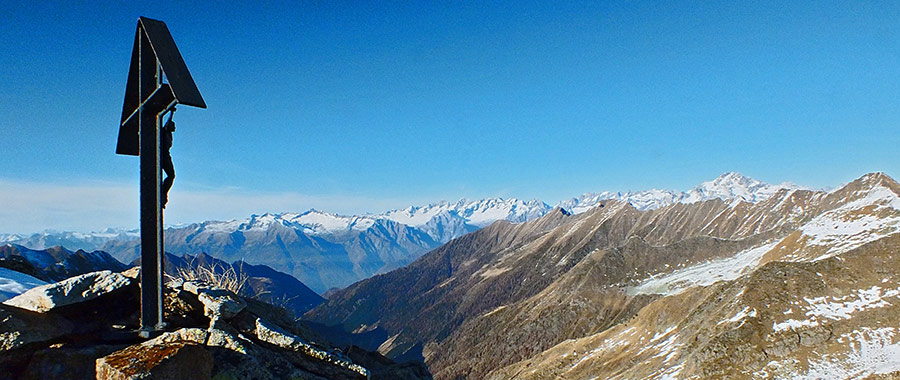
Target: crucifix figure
(154, 59)
(165, 158)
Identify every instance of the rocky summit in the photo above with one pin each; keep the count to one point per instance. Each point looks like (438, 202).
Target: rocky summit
(85, 327)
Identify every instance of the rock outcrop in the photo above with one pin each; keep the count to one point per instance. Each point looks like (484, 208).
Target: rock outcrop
(172, 360)
(70, 291)
(85, 327)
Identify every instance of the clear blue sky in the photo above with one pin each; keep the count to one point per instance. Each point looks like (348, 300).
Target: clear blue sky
(357, 107)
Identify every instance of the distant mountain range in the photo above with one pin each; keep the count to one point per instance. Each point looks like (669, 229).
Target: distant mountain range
(56, 263)
(728, 186)
(326, 250)
(762, 283)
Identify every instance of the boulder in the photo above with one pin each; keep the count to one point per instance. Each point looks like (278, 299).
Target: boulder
(217, 303)
(325, 363)
(174, 360)
(19, 327)
(132, 273)
(192, 286)
(190, 335)
(70, 291)
(85, 329)
(226, 339)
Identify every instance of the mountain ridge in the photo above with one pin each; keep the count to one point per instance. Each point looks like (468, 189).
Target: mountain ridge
(727, 186)
(501, 294)
(326, 250)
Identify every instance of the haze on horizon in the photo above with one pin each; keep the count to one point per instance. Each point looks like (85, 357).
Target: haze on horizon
(355, 108)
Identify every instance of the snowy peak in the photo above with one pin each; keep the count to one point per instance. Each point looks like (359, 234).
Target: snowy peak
(312, 222)
(477, 213)
(861, 212)
(445, 221)
(486, 211)
(418, 215)
(869, 181)
(641, 200)
(727, 187)
(316, 223)
(730, 186)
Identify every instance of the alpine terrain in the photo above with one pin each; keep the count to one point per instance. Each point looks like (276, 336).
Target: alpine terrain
(747, 281)
(326, 251)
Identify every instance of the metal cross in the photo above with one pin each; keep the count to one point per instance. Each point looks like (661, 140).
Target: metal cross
(154, 58)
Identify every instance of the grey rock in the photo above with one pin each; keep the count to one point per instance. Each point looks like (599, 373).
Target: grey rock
(69, 291)
(341, 366)
(193, 287)
(226, 339)
(219, 303)
(175, 284)
(192, 335)
(20, 327)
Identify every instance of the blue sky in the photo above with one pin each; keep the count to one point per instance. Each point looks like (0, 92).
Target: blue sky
(356, 107)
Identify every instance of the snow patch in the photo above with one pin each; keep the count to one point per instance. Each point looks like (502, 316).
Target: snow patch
(820, 308)
(704, 274)
(856, 223)
(13, 283)
(739, 317)
(872, 352)
(620, 340)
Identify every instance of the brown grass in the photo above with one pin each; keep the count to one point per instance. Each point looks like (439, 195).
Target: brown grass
(218, 275)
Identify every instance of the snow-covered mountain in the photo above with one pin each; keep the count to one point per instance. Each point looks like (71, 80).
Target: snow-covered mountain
(727, 187)
(312, 222)
(320, 249)
(327, 250)
(787, 284)
(731, 186)
(89, 241)
(444, 221)
(641, 200)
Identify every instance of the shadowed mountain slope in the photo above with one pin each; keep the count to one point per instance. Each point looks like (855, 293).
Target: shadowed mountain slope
(56, 263)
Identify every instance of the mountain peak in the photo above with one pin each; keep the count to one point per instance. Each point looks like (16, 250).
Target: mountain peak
(734, 185)
(878, 178)
(868, 183)
(733, 178)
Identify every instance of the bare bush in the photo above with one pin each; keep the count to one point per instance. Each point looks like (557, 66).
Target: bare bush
(218, 275)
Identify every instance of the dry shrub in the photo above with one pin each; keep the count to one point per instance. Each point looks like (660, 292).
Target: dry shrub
(218, 275)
